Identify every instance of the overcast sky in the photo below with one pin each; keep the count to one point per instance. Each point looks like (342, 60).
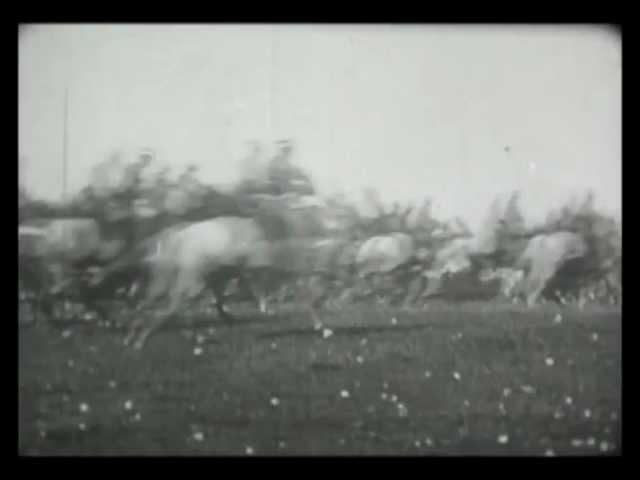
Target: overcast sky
(458, 113)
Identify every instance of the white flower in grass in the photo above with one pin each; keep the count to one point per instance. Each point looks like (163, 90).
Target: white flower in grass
(282, 444)
(577, 442)
(326, 333)
(383, 395)
(402, 410)
(70, 363)
(359, 359)
(591, 441)
(112, 384)
(394, 321)
(198, 436)
(200, 339)
(273, 345)
(344, 394)
(503, 439)
(568, 400)
(549, 453)
(249, 450)
(82, 426)
(385, 385)
(363, 342)
(128, 405)
(506, 391)
(417, 443)
(456, 375)
(66, 333)
(275, 401)
(393, 398)
(427, 374)
(84, 408)
(528, 389)
(428, 442)
(557, 318)
(549, 361)
(594, 337)
(587, 413)
(198, 351)
(466, 403)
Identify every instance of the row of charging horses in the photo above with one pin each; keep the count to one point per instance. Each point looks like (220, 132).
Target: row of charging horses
(300, 245)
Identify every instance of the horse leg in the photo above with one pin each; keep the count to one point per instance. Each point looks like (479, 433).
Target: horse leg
(316, 290)
(258, 288)
(218, 282)
(415, 288)
(155, 322)
(367, 286)
(537, 280)
(188, 285)
(158, 286)
(134, 328)
(434, 286)
(151, 325)
(223, 314)
(138, 321)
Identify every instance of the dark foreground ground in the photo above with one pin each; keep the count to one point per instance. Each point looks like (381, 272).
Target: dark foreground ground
(474, 379)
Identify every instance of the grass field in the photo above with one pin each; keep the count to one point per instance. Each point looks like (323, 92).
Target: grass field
(468, 379)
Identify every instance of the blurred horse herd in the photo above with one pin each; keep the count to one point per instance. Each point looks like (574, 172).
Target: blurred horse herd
(141, 246)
